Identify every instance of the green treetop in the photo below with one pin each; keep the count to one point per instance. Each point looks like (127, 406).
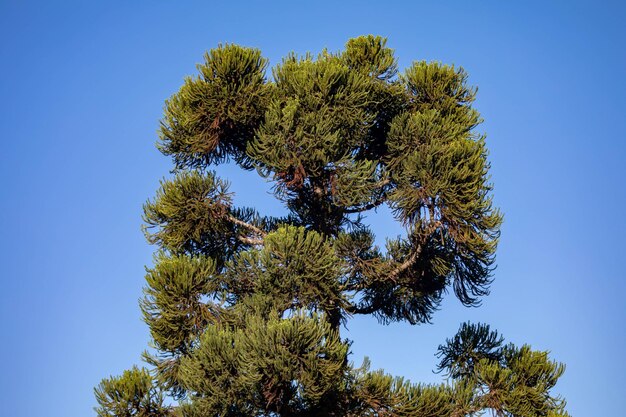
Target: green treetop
(245, 310)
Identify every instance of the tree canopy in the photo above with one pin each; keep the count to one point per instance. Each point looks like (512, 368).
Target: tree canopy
(245, 310)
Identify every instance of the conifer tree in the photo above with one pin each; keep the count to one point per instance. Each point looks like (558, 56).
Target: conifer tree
(246, 310)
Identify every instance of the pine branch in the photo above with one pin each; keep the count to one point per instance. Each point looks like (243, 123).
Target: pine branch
(373, 204)
(246, 225)
(367, 207)
(416, 252)
(258, 240)
(250, 241)
(393, 276)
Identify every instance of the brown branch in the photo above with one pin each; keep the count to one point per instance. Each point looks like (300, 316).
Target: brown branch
(367, 207)
(393, 276)
(250, 241)
(418, 249)
(245, 239)
(248, 226)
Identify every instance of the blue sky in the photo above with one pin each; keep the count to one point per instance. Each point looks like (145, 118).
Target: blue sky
(83, 85)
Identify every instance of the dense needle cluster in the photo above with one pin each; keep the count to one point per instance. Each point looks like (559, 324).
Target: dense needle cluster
(245, 310)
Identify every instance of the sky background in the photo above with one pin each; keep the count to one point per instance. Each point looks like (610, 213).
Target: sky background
(82, 87)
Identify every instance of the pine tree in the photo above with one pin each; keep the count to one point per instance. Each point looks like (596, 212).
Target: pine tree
(245, 310)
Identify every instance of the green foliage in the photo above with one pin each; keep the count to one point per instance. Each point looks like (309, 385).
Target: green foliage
(510, 380)
(472, 343)
(379, 394)
(285, 271)
(245, 310)
(188, 214)
(370, 56)
(172, 306)
(213, 116)
(175, 311)
(130, 395)
(284, 366)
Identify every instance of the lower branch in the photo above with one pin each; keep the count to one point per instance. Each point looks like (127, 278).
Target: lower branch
(256, 240)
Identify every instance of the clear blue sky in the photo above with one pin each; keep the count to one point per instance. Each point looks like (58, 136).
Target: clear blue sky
(82, 87)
